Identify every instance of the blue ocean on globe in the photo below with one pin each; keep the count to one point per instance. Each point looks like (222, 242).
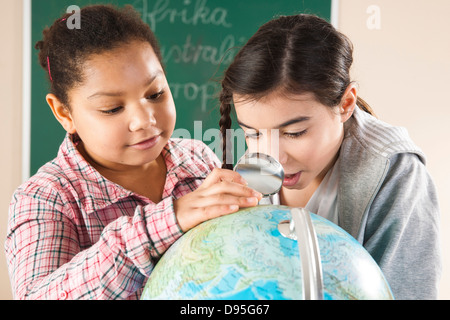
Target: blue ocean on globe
(243, 256)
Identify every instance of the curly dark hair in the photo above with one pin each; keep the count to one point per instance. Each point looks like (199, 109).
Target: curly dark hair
(63, 51)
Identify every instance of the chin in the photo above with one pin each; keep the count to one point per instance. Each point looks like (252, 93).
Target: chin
(300, 185)
(294, 187)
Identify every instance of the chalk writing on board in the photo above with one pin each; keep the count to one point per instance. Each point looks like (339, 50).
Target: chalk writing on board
(193, 49)
(192, 91)
(188, 52)
(194, 12)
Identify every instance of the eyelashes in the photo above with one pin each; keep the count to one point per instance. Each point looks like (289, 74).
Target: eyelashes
(295, 134)
(153, 97)
(156, 96)
(112, 111)
(291, 135)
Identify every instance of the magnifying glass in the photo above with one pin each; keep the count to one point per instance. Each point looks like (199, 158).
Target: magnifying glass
(262, 172)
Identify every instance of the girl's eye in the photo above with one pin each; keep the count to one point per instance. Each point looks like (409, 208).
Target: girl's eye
(294, 135)
(112, 111)
(156, 95)
(252, 135)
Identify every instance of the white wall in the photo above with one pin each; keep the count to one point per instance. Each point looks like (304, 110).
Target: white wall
(403, 70)
(10, 119)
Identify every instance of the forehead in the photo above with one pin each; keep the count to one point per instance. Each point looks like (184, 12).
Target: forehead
(276, 108)
(128, 59)
(126, 68)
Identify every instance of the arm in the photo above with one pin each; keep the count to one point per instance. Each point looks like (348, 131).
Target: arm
(402, 231)
(45, 258)
(46, 262)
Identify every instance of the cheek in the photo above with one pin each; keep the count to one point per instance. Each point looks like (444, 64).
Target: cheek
(102, 134)
(171, 116)
(304, 151)
(315, 149)
(166, 116)
(326, 145)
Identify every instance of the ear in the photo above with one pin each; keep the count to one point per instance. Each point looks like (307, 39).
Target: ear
(61, 113)
(348, 102)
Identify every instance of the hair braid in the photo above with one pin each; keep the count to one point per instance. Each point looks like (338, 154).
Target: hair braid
(225, 124)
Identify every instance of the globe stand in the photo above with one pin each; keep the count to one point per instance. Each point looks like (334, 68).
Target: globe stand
(301, 228)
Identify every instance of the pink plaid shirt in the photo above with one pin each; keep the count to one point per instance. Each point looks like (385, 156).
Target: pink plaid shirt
(73, 234)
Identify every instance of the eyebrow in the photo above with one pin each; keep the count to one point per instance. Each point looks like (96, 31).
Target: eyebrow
(284, 124)
(148, 82)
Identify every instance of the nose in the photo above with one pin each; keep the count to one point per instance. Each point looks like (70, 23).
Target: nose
(277, 152)
(142, 117)
(282, 157)
(270, 144)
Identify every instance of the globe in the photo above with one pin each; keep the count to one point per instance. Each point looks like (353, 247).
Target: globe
(244, 256)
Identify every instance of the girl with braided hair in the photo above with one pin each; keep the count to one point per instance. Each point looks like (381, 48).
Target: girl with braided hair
(291, 79)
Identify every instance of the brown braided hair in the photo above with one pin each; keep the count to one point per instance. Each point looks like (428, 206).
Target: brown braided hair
(225, 124)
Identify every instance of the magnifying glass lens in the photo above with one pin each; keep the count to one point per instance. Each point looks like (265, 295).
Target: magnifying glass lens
(262, 172)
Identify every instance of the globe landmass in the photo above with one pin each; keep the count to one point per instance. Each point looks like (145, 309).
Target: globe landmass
(243, 256)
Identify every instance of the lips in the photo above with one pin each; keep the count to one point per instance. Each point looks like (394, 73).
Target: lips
(291, 179)
(147, 143)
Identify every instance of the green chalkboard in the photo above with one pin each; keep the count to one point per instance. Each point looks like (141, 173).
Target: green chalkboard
(198, 39)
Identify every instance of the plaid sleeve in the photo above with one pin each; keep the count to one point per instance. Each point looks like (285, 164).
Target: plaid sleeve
(210, 158)
(45, 260)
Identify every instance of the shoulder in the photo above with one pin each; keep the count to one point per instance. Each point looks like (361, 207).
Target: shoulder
(379, 162)
(46, 183)
(191, 155)
(364, 131)
(52, 186)
(59, 175)
(192, 146)
(44, 196)
(408, 178)
(378, 155)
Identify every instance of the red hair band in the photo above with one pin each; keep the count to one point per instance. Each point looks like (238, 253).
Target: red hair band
(48, 66)
(48, 61)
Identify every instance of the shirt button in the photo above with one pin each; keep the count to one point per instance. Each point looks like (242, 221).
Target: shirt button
(63, 295)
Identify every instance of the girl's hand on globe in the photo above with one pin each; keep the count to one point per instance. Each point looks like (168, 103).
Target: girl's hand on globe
(223, 192)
